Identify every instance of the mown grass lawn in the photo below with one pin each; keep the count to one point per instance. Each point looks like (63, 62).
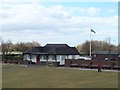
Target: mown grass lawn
(15, 76)
(0, 76)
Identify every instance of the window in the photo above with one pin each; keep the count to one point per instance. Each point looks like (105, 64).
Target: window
(44, 57)
(69, 56)
(118, 55)
(73, 56)
(94, 55)
(51, 57)
(58, 57)
(26, 57)
(63, 57)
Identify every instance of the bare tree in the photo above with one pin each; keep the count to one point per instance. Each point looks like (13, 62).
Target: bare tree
(6, 47)
(96, 46)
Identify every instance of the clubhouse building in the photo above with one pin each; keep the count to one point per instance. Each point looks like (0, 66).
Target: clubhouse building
(51, 53)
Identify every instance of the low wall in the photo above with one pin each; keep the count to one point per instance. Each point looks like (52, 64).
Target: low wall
(92, 63)
(54, 64)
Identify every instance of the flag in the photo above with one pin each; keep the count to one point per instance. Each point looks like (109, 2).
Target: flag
(93, 31)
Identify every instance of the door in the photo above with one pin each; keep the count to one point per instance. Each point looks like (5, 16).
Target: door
(37, 59)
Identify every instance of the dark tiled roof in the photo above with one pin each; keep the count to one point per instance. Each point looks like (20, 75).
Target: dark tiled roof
(56, 45)
(59, 49)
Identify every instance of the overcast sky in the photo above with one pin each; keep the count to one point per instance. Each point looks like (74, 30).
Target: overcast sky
(58, 22)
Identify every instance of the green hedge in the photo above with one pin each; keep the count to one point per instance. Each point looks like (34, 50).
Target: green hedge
(13, 57)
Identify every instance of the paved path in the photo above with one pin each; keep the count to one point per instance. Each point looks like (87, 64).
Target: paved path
(90, 69)
(67, 68)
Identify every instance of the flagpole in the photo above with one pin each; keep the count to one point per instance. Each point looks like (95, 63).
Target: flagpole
(91, 30)
(90, 42)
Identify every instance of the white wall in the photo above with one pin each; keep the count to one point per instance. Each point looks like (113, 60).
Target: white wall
(27, 57)
(60, 58)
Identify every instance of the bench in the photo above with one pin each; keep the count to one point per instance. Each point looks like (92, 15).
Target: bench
(94, 66)
(74, 65)
(84, 65)
(106, 67)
